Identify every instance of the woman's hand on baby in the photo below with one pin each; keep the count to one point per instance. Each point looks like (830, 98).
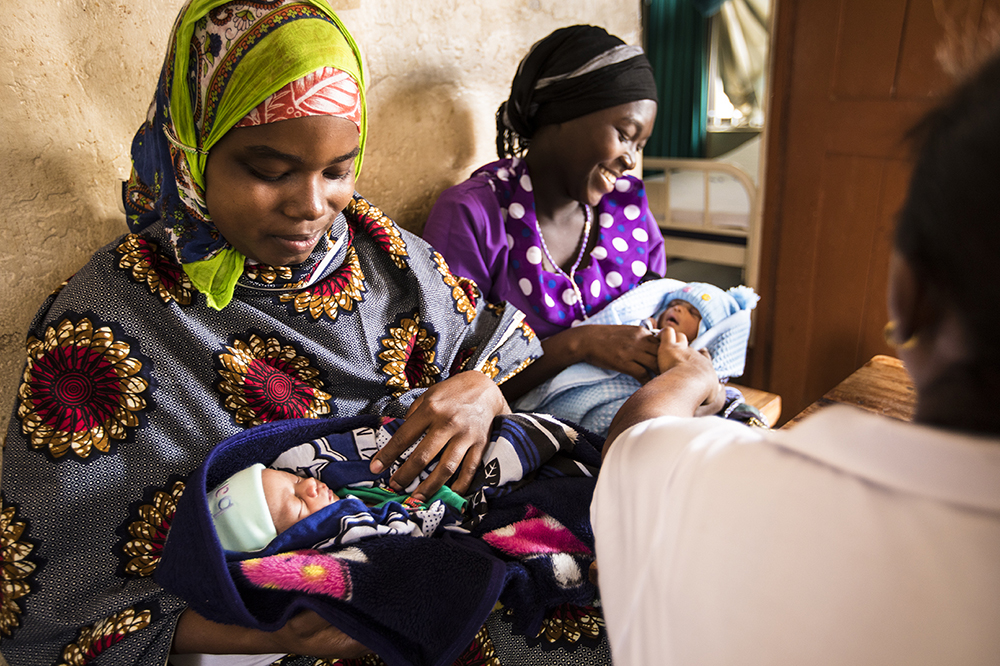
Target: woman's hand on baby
(631, 350)
(674, 352)
(309, 634)
(306, 633)
(455, 417)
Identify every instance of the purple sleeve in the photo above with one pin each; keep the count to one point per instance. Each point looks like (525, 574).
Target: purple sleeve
(466, 227)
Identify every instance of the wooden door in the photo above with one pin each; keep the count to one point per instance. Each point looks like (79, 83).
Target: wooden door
(849, 78)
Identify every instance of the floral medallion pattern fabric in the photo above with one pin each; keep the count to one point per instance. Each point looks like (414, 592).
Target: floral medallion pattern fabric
(461, 361)
(492, 368)
(124, 376)
(16, 568)
(571, 624)
(93, 641)
(463, 290)
(378, 225)
(267, 274)
(148, 532)
(82, 388)
(148, 266)
(409, 352)
(521, 366)
(266, 380)
(340, 292)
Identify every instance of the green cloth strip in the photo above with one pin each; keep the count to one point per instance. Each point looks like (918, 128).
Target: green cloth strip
(376, 497)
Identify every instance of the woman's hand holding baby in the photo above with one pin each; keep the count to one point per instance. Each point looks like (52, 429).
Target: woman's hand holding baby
(686, 386)
(455, 417)
(309, 634)
(674, 351)
(305, 633)
(628, 349)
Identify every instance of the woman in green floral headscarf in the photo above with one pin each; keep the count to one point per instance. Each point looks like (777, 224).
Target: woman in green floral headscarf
(256, 285)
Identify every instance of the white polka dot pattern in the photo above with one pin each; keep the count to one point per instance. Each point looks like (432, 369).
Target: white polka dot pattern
(622, 235)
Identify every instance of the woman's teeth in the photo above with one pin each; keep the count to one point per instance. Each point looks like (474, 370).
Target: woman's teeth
(609, 177)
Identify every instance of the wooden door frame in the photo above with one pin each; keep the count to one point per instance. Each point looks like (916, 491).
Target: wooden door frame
(772, 176)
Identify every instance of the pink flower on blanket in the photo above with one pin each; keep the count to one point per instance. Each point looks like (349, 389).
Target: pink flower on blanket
(538, 534)
(304, 571)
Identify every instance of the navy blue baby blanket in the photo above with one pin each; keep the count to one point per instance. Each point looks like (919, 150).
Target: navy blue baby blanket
(413, 585)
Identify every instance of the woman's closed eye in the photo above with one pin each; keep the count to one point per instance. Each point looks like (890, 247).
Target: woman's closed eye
(269, 171)
(265, 176)
(339, 174)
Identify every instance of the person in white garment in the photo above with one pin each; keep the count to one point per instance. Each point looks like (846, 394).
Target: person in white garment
(850, 538)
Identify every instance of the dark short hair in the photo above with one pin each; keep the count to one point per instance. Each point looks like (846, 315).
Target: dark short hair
(949, 225)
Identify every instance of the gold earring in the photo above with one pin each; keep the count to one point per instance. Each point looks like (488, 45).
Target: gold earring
(889, 333)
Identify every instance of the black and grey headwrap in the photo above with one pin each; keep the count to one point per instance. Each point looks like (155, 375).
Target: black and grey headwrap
(574, 71)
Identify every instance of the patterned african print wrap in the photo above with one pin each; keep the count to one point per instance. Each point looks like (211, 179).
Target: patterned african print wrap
(574, 71)
(223, 60)
(131, 379)
(325, 92)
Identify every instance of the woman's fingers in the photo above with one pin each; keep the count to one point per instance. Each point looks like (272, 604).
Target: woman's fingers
(413, 426)
(309, 634)
(435, 440)
(454, 418)
(619, 347)
(461, 457)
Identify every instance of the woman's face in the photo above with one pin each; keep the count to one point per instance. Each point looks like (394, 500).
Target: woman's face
(595, 150)
(273, 190)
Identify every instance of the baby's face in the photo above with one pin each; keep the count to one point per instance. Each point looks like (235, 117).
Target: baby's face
(681, 316)
(291, 498)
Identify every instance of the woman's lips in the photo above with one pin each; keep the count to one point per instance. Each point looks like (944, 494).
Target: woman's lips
(299, 242)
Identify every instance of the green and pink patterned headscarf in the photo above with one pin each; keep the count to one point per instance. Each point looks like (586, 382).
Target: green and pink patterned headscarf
(233, 64)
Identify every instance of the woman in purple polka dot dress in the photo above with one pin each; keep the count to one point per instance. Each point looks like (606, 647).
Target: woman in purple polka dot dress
(555, 227)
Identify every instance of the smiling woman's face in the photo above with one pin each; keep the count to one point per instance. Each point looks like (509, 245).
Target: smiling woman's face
(273, 190)
(594, 150)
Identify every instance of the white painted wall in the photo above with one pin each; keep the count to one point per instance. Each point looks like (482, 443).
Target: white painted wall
(77, 78)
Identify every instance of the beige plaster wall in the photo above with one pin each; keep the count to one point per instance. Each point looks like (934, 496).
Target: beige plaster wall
(77, 76)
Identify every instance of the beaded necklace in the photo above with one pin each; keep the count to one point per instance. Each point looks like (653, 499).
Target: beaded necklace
(588, 217)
